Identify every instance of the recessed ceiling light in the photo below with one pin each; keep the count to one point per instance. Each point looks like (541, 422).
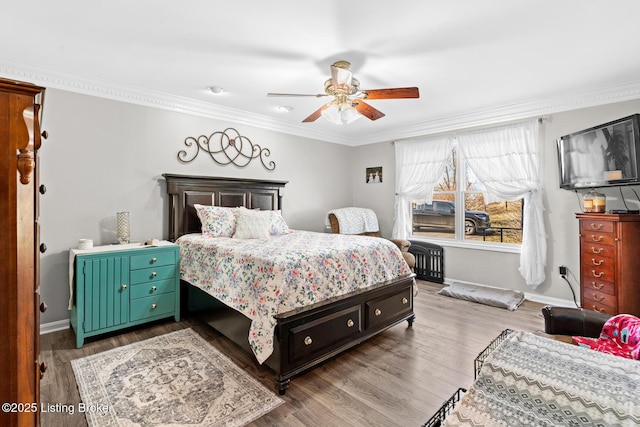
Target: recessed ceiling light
(285, 108)
(215, 89)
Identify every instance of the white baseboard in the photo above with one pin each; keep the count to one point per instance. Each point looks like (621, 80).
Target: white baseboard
(47, 328)
(549, 300)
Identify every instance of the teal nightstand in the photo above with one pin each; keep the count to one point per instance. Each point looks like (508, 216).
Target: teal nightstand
(118, 286)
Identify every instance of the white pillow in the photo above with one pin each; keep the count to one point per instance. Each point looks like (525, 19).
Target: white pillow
(252, 224)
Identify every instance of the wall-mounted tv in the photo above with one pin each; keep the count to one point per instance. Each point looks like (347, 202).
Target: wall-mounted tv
(601, 156)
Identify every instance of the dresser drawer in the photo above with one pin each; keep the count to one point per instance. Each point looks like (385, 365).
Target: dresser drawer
(600, 297)
(383, 310)
(319, 336)
(590, 304)
(604, 272)
(597, 237)
(153, 259)
(596, 226)
(589, 249)
(152, 306)
(153, 274)
(601, 262)
(152, 288)
(598, 285)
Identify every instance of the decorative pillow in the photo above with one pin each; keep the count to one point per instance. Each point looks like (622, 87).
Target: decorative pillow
(217, 221)
(620, 336)
(278, 225)
(252, 224)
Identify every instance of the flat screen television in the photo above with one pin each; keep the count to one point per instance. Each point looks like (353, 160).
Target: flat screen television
(601, 156)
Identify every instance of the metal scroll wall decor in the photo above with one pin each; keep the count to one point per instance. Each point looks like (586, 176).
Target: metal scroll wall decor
(227, 147)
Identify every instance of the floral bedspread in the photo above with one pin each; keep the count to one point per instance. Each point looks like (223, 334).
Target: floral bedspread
(264, 277)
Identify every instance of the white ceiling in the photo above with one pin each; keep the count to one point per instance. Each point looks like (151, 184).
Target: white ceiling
(475, 62)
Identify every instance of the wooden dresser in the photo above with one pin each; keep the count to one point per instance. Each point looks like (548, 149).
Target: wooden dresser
(20, 369)
(610, 263)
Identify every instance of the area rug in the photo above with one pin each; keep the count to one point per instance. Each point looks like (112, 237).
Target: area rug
(503, 298)
(176, 379)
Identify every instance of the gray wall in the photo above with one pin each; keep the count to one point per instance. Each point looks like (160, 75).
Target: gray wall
(105, 156)
(500, 269)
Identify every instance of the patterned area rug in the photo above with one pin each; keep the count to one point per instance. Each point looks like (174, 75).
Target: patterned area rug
(176, 379)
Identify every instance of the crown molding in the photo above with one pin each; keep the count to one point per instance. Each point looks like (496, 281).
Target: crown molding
(536, 108)
(72, 82)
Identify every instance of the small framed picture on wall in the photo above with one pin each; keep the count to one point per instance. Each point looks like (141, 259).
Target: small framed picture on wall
(374, 175)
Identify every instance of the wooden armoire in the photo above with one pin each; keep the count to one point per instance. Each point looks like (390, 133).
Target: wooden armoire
(20, 367)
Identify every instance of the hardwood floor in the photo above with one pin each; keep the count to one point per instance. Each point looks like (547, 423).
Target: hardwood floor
(399, 378)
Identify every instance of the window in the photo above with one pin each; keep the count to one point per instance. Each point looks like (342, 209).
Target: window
(491, 223)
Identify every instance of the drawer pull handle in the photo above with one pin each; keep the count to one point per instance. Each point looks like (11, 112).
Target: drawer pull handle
(43, 248)
(43, 307)
(597, 274)
(308, 341)
(597, 286)
(153, 260)
(597, 298)
(598, 251)
(596, 226)
(596, 238)
(601, 310)
(153, 289)
(123, 287)
(43, 189)
(350, 323)
(153, 306)
(154, 274)
(43, 369)
(594, 262)
(377, 312)
(404, 300)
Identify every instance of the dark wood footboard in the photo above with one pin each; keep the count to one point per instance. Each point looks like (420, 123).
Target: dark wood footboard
(307, 337)
(310, 336)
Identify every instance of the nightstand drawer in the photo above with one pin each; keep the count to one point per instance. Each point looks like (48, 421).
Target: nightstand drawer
(152, 288)
(152, 306)
(153, 259)
(153, 274)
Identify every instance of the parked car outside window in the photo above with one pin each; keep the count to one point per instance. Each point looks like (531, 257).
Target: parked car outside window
(442, 214)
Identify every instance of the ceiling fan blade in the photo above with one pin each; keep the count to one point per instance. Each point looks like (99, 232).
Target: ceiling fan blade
(367, 110)
(318, 95)
(393, 93)
(314, 116)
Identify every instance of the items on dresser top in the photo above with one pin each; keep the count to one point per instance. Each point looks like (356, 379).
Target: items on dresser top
(609, 267)
(116, 286)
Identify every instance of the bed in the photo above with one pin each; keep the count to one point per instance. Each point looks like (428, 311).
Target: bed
(527, 379)
(305, 336)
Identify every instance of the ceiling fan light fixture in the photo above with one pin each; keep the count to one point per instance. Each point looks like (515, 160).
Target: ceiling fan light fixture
(342, 114)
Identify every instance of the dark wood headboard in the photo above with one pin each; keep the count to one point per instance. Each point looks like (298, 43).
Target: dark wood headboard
(186, 190)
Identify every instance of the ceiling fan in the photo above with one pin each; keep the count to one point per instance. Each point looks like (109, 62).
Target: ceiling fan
(349, 98)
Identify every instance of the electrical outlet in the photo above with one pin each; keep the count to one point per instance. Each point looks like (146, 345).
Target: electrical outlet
(563, 270)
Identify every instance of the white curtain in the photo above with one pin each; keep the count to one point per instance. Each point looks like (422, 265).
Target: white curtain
(506, 160)
(420, 164)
